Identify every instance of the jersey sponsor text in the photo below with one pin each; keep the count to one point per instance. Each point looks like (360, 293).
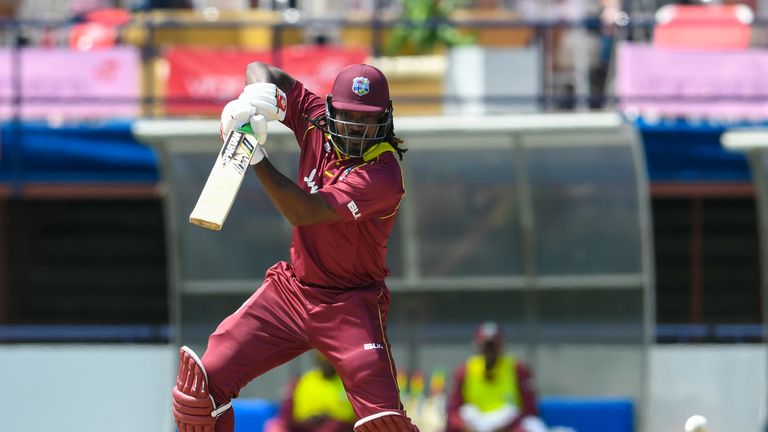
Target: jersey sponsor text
(353, 208)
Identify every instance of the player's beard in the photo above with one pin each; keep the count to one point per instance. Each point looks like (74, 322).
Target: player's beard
(355, 145)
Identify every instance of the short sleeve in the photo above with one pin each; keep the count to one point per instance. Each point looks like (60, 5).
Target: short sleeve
(373, 190)
(302, 103)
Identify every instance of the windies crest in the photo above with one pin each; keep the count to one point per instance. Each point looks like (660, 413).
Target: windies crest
(361, 86)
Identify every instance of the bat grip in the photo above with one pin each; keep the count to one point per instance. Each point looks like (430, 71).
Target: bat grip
(246, 128)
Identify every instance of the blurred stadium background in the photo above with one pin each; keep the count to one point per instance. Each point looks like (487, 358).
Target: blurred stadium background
(588, 173)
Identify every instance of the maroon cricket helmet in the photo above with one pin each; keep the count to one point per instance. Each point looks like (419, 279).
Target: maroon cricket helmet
(360, 88)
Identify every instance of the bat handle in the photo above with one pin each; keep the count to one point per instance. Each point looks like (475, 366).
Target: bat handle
(246, 128)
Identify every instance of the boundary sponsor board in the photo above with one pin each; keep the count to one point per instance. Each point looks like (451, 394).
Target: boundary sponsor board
(59, 83)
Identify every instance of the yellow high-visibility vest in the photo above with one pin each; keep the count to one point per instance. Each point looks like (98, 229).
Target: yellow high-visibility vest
(490, 395)
(315, 395)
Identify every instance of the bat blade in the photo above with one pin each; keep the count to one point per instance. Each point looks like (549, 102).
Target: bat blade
(224, 181)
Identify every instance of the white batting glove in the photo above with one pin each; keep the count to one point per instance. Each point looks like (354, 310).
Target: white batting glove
(238, 113)
(259, 126)
(235, 114)
(267, 99)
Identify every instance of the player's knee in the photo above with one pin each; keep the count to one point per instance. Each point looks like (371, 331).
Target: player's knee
(219, 370)
(388, 421)
(364, 373)
(216, 381)
(357, 372)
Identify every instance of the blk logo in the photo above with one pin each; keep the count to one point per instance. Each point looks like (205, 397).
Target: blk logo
(353, 208)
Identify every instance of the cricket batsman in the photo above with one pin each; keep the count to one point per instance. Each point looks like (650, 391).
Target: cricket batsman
(331, 296)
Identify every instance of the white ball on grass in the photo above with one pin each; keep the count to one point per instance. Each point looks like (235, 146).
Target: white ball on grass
(696, 423)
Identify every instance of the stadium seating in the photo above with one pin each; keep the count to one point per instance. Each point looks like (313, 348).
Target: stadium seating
(251, 414)
(588, 414)
(582, 414)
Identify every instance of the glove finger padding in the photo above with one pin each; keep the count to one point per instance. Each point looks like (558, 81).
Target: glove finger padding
(235, 114)
(389, 421)
(263, 108)
(267, 99)
(259, 127)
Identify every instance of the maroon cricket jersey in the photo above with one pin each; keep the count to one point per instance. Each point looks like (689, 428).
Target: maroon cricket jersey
(365, 192)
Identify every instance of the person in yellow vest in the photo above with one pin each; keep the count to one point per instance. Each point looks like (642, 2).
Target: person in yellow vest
(492, 391)
(316, 402)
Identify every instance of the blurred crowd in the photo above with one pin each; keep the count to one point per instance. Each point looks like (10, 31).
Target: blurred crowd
(88, 24)
(579, 59)
(565, 10)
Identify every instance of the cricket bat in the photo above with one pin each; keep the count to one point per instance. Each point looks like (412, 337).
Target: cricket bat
(224, 181)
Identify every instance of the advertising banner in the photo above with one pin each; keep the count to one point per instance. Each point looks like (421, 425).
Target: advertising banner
(202, 81)
(728, 85)
(59, 83)
(317, 67)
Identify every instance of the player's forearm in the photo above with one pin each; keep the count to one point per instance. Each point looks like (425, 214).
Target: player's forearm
(298, 206)
(261, 72)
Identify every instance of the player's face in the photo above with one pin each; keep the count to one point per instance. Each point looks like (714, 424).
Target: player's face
(357, 125)
(490, 350)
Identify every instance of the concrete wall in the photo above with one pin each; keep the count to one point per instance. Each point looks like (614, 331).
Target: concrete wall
(92, 388)
(725, 383)
(116, 388)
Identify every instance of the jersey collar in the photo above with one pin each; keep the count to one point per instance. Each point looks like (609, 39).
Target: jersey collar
(377, 150)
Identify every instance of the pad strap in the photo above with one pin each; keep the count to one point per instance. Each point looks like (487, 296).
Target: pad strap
(193, 406)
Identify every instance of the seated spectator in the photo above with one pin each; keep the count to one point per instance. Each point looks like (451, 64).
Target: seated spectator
(316, 402)
(492, 391)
